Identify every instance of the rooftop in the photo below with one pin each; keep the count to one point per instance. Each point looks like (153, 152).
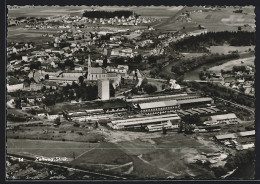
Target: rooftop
(97, 70)
(158, 104)
(224, 116)
(194, 100)
(226, 136)
(247, 133)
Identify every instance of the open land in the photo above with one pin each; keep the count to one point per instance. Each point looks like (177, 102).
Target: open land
(238, 62)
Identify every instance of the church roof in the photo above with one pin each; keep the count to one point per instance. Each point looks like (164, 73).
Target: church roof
(96, 70)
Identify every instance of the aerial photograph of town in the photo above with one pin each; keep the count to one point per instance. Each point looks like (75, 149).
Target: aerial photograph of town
(130, 92)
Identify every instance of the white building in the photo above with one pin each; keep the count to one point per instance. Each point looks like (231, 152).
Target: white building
(12, 88)
(103, 89)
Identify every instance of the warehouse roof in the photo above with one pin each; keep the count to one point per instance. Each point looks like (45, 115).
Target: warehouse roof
(158, 104)
(247, 133)
(226, 136)
(223, 116)
(194, 100)
(148, 121)
(144, 118)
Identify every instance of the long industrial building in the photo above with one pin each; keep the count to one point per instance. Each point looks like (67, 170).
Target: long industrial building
(186, 103)
(163, 107)
(158, 107)
(136, 123)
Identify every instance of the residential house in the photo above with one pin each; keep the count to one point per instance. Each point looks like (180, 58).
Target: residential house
(35, 86)
(78, 68)
(12, 88)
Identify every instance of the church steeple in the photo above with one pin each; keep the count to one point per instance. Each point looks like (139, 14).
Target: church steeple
(89, 63)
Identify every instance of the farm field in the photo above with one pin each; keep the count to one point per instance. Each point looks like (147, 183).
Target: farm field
(227, 49)
(220, 19)
(224, 19)
(229, 65)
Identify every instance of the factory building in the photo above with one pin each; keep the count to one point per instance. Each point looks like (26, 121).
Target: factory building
(197, 102)
(139, 123)
(161, 107)
(230, 118)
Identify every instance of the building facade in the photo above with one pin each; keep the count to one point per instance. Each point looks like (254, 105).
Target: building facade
(161, 107)
(103, 89)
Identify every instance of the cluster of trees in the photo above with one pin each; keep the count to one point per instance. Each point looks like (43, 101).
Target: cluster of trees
(31, 18)
(16, 118)
(201, 42)
(192, 119)
(216, 90)
(148, 88)
(124, 60)
(107, 14)
(239, 68)
(190, 64)
(35, 65)
(239, 160)
(72, 92)
(186, 127)
(83, 91)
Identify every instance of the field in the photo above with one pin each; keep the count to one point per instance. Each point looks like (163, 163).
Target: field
(148, 155)
(229, 65)
(133, 154)
(66, 132)
(44, 11)
(22, 34)
(224, 19)
(220, 19)
(227, 49)
(47, 148)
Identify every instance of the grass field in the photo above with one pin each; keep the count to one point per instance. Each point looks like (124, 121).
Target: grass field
(224, 19)
(221, 19)
(238, 62)
(47, 148)
(69, 133)
(227, 49)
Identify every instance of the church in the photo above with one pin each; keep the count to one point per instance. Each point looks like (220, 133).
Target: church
(95, 73)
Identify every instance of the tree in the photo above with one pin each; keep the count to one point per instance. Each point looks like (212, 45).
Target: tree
(105, 62)
(164, 130)
(180, 127)
(138, 58)
(81, 79)
(144, 82)
(49, 100)
(149, 88)
(35, 65)
(69, 63)
(152, 59)
(43, 88)
(46, 77)
(57, 121)
(189, 128)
